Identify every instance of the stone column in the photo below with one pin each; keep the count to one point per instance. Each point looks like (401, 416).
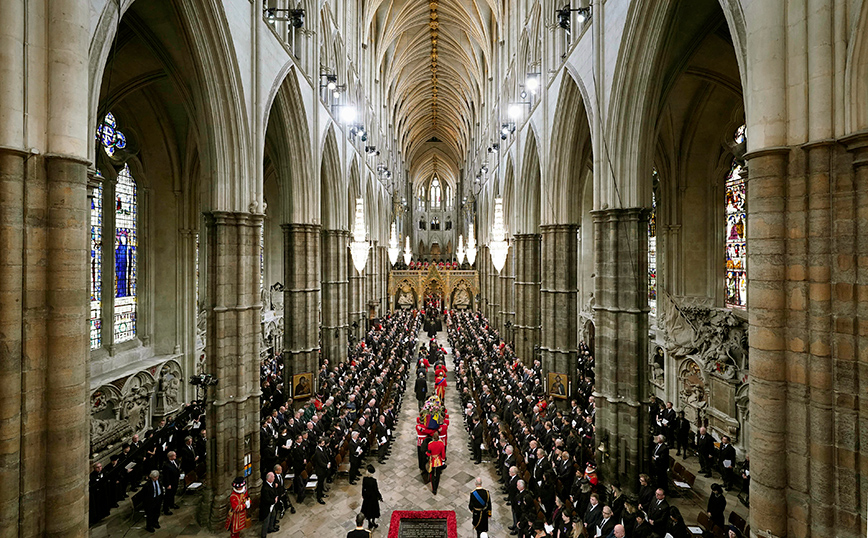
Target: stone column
(483, 260)
(494, 295)
(527, 295)
(559, 300)
(384, 281)
(356, 299)
(232, 353)
(301, 299)
(507, 296)
(621, 312)
(334, 294)
(43, 270)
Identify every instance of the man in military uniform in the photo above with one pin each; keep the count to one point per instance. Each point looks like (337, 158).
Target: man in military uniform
(480, 507)
(360, 531)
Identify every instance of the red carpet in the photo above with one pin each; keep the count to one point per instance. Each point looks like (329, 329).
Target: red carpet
(407, 517)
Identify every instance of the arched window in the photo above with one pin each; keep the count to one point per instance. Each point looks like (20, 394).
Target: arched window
(448, 198)
(123, 229)
(652, 247)
(126, 247)
(420, 198)
(434, 198)
(735, 284)
(96, 269)
(435, 224)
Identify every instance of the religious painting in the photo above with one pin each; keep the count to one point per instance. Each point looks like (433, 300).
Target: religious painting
(558, 385)
(302, 386)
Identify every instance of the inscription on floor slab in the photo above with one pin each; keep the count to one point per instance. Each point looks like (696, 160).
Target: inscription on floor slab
(423, 528)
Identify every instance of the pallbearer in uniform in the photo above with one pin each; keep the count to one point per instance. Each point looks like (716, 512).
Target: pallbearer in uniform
(360, 531)
(480, 507)
(239, 502)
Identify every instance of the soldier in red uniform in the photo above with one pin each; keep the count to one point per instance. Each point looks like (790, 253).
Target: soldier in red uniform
(239, 502)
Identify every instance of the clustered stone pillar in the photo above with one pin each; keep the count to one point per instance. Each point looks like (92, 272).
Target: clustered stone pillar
(356, 300)
(558, 299)
(527, 295)
(385, 266)
(334, 294)
(44, 411)
(621, 266)
(484, 263)
(480, 270)
(301, 300)
(507, 297)
(232, 354)
(494, 294)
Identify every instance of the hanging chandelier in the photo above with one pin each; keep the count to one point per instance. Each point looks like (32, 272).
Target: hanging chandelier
(498, 246)
(394, 245)
(408, 254)
(471, 247)
(359, 247)
(460, 251)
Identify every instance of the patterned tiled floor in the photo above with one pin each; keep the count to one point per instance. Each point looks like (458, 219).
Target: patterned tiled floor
(399, 480)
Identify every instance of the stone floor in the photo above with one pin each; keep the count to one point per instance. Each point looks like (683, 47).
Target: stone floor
(399, 480)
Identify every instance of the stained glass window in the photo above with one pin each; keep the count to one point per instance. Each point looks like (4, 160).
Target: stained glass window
(435, 194)
(107, 133)
(96, 268)
(652, 248)
(735, 286)
(126, 245)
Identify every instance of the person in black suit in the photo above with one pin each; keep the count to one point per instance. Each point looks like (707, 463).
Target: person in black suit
(359, 531)
(171, 477)
(421, 389)
(151, 496)
(524, 510)
(321, 466)
(476, 440)
(727, 462)
(283, 499)
(660, 462)
(355, 451)
(607, 524)
(705, 449)
(267, 502)
(642, 529)
(593, 515)
(682, 434)
(188, 455)
(658, 512)
(382, 434)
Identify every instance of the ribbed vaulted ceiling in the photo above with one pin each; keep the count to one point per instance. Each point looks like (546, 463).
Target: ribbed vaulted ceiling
(433, 58)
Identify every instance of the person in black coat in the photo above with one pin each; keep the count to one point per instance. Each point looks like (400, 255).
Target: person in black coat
(717, 506)
(267, 502)
(421, 388)
(171, 477)
(727, 462)
(151, 497)
(476, 440)
(705, 450)
(676, 526)
(660, 462)
(187, 452)
(99, 490)
(658, 512)
(682, 433)
(321, 466)
(371, 498)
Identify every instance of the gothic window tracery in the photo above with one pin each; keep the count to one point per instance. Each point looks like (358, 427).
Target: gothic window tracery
(434, 197)
(735, 214)
(123, 229)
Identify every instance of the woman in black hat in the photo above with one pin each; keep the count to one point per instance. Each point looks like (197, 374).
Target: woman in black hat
(371, 498)
(717, 505)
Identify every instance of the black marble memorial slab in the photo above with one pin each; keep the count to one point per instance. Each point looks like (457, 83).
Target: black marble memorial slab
(423, 528)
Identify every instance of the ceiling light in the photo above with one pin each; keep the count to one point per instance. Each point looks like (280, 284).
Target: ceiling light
(498, 246)
(532, 83)
(359, 247)
(471, 246)
(514, 111)
(394, 248)
(408, 254)
(460, 251)
(348, 114)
